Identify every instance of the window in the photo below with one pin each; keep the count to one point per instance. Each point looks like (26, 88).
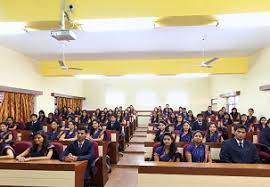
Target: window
(176, 99)
(146, 99)
(114, 99)
(232, 102)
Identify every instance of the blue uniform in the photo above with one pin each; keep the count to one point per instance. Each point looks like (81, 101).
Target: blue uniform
(69, 135)
(185, 137)
(213, 139)
(52, 135)
(98, 134)
(43, 152)
(165, 157)
(197, 153)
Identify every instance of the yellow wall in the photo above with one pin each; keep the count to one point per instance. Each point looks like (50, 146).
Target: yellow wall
(248, 84)
(20, 71)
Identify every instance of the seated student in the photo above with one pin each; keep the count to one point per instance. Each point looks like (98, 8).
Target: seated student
(184, 113)
(179, 124)
(235, 116)
(154, 118)
(40, 150)
(11, 123)
(172, 121)
(5, 135)
(209, 112)
(6, 151)
(167, 151)
(114, 125)
(50, 118)
(34, 125)
(263, 123)
(190, 118)
(212, 134)
(223, 126)
(252, 120)
(109, 114)
(41, 117)
(78, 111)
(185, 135)
(53, 134)
(264, 140)
(84, 118)
(197, 151)
(102, 118)
(70, 113)
(159, 133)
(220, 115)
(80, 149)
(238, 149)
(244, 121)
(96, 133)
(71, 134)
(64, 112)
(199, 124)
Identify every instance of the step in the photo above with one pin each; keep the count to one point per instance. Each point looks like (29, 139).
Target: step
(131, 160)
(134, 148)
(138, 140)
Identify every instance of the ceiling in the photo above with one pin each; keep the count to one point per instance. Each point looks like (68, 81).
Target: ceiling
(159, 44)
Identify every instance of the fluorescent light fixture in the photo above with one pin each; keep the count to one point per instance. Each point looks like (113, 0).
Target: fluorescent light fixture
(244, 20)
(140, 76)
(11, 28)
(192, 75)
(90, 76)
(117, 24)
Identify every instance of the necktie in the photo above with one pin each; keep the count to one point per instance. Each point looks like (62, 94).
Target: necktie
(240, 144)
(80, 145)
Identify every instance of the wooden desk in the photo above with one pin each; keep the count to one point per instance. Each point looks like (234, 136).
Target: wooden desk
(42, 173)
(158, 174)
(114, 151)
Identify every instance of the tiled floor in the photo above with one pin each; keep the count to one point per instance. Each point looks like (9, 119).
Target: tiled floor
(123, 177)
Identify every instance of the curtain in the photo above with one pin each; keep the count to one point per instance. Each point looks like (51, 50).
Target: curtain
(18, 105)
(68, 102)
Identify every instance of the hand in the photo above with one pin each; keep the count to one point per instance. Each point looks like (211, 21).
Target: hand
(20, 158)
(68, 159)
(74, 158)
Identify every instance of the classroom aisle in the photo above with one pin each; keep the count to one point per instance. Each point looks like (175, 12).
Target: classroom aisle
(125, 173)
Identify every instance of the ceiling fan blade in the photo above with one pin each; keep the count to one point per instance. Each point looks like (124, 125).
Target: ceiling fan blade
(61, 63)
(210, 61)
(79, 69)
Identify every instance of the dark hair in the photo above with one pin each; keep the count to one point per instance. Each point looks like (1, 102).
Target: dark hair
(208, 126)
(199, 115)
(189, 130)
(10, 117)
(251, 109)
(194, 133)
(82, 129)
(34, 115)
(95, 121)
(173, 147)
(44, 144)
(240, 126)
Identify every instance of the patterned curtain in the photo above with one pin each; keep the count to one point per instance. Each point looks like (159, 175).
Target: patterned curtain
(18, 105)
(68, 102)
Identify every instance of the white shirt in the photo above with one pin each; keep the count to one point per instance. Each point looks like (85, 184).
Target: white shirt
(80, 143)
(238, 142)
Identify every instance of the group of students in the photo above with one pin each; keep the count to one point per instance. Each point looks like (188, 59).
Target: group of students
(209, 126)
(78, 127)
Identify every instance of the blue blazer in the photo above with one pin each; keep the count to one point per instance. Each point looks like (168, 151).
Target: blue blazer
(197, 127)
(232, 153)
(34, 127)
(116, 126)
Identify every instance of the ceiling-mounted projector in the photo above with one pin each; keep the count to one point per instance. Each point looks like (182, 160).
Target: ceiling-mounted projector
(63, 35)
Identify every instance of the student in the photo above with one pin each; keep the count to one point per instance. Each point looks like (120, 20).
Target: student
(172, 121)
(223, 126)
(5, 135)
(110, 114)
(102, 118)
(251, 119)
(235, 116)
(34, 125)
(114, 125)
(11, 123)
(154, 118)
(50, 118)
(212, 135)
(57, 113)
(84, 119)
(78, 111)
(190, 118)
(159, 133)
(6, 151)
(80, 149)
(42, 117)
(167, 151)
(264, 140)
(64, 112)
(185, 135)
(197, 151)
(185, 114)
(71, 134)
(180, 110)
(166, 112)
(98, 113)
(70, 114)
(53, 134)
(238, 149)
(199, 124)
(209, 112)
(180, 121)
(40, 149)
(244, 121)
(220, 116)
(96, 133)
(263, 123)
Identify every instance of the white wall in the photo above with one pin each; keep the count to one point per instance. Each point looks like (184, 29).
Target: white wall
(248, 84)
(20, 71)
(195, 92)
